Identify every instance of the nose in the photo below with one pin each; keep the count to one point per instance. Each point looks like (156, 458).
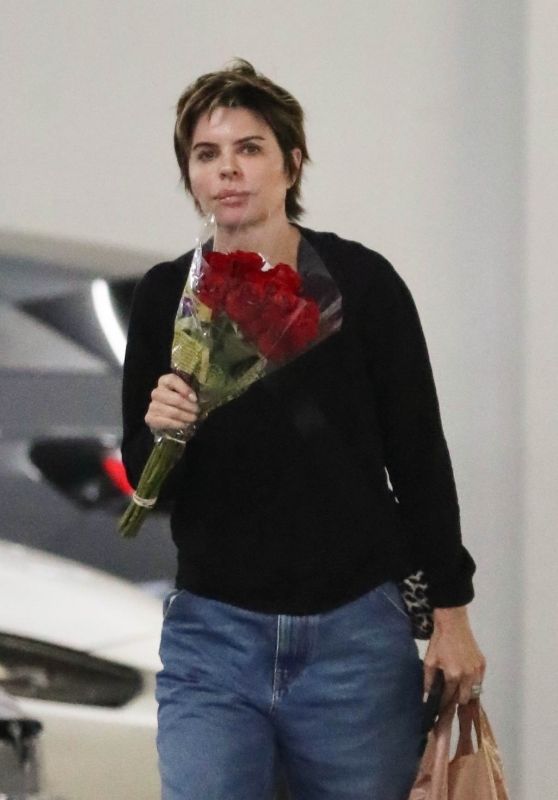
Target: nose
(229, 166)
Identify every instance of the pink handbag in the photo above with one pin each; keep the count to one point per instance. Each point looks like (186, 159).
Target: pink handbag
(471, 774)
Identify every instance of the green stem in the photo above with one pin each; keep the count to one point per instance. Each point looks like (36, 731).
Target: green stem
(164, 455)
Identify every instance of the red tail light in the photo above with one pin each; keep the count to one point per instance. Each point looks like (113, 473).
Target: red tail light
(114, 468)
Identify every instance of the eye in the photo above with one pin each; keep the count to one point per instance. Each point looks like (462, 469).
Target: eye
(205, 155)
(251, 148)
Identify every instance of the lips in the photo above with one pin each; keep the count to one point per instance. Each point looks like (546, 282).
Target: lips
(231, 195)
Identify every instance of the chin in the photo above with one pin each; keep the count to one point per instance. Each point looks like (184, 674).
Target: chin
(237, 218)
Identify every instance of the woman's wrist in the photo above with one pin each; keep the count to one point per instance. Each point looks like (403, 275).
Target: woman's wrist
(450, 617)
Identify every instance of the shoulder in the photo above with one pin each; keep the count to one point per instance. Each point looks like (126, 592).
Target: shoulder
(356, 267)
(163, 282)
(157, 293)
(336, 245)
(166, 276)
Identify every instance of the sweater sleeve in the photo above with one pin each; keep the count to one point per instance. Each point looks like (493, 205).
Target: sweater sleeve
(415, 449)
(147, 358)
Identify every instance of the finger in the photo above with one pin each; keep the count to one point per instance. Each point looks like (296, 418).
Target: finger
(470, 678)
(465, 692)
(173, 410)
(162, 423)
(473, 676)
(449, 695)
(177, 416)
(174, 383)
(166, 412)
(169, 398)
(173, 398)
(429, 675)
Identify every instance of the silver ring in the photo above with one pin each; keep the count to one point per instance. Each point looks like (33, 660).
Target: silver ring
(476, 690)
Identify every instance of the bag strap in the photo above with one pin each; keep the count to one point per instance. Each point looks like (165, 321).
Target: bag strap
(441, 741)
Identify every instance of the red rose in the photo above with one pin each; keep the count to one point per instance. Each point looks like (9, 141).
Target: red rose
(244, 302)
(244, 264)
(215, 280)
(212, 289)
(285, 277)
(281, 300)
(246, 260)
(304, 327)
(265, 304)
(219, 261)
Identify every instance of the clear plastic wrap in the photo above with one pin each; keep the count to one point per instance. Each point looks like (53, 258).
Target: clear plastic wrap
(239, 318)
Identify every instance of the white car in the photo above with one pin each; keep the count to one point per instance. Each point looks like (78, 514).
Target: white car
(19, 755)
(79, 651)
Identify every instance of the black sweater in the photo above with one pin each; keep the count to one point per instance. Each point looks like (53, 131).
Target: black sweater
(281, 501)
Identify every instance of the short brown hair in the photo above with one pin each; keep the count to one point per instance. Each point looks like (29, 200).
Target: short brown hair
(239, 85)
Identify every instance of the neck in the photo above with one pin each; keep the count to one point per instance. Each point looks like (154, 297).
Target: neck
(276, 239)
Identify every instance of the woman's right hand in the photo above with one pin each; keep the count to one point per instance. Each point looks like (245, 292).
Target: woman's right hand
(173, 404)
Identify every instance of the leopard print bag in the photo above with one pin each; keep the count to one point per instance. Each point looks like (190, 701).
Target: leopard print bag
(414, 591)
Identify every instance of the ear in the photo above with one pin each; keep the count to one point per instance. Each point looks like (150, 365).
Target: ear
(296, 161)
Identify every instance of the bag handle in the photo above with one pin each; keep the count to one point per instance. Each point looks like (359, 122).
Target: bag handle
(469, 717)
(442, 749)
(432, 781)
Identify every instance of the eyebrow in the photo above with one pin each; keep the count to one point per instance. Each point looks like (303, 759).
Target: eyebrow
(238, 141)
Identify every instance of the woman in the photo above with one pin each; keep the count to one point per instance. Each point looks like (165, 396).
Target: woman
(286, 643)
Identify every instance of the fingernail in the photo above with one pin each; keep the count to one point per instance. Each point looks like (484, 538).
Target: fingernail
(192, 396)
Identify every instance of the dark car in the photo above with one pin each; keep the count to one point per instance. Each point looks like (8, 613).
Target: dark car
(63, 323)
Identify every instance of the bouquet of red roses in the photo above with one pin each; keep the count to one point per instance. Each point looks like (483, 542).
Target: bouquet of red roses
(237, 319)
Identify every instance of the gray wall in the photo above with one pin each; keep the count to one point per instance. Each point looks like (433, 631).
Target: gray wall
(540, 418)
(428, 125)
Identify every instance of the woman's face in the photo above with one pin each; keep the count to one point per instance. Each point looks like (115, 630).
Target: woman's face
(236, 168)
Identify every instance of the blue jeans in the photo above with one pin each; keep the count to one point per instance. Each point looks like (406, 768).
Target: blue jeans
(333, 700)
